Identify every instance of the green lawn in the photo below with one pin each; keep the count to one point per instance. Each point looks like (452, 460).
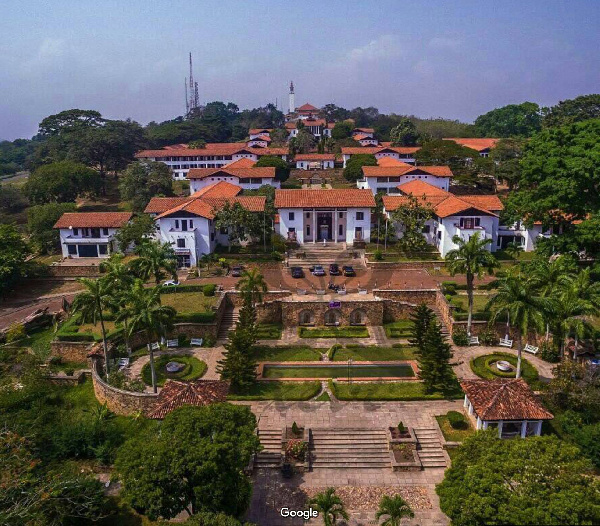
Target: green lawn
(387, 391)
(479, 302)
(280, 391)
(454, 435)
(338, 371)
(398, 329)
(189, 302)
(323, 397)
(267, 331)
(333, 332)
(194, 369)
(480, 368)
(370, 353)
(290, 353)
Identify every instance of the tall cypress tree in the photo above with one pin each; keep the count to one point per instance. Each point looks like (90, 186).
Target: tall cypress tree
(247, 319)
(421, 317)
(238, 364)
(434, 360)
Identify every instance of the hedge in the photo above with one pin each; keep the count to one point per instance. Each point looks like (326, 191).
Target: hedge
(195, 317)
(182, 288)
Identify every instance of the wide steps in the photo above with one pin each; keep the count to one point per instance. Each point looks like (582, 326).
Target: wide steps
(270, 456)
(350, 448)
(430, 449)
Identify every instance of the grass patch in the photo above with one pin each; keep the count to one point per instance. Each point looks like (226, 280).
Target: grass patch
(338, 371)
(370, 353)
(480, 367)
(279, 391)
(290, 353)
(454, 435)
(189, 302)
(333, 332)
(388, 391)
(462, 301)
(323, 397)
(194, 369)
(267, 331)
(398, 329)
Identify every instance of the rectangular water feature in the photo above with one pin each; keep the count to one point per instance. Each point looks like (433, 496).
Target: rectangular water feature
(338, 370)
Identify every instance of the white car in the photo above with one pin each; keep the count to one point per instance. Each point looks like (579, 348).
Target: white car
(170, 283)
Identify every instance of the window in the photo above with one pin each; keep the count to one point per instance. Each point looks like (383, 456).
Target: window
(469, 222)
(184, 225)
(341, 215)
(105, 231)
(191, 224)
(103, 250)
(358, 232)
(308, 230)
(426, 229)
(95, 232)
(360, 216)
(291, 216)
(181, 242)
(72, 250)
(292, 230)
(341, 230)
(76, 231)
(307, 215)
(212, 236)
(177, 224)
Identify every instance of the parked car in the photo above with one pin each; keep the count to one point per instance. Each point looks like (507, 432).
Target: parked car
(348, 270)
(319, 270)
(297, 272)
(334, 269)
(236, 271)
(171, 283)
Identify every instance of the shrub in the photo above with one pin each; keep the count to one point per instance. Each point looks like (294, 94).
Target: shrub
(296, 449)
(333, 349)
(209, 289)
(295, 428)
(401, 428)
(378, 255)
(449, 287)
(182, 288)
(488, 336)
(456, 420)
(209, 341)
(15, 333)
(549, 352)
(460, 337)
(195, 317)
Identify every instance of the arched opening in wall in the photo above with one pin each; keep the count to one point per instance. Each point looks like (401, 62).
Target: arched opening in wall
(305, 317)
(358, 317)
(332, 317)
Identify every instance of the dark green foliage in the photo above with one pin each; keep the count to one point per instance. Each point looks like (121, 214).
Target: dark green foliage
(195, 463)
(12, 199)
(353, 170)
(460, 337)
(240, 223)
(401, 427)
(341, 130)
(549, 352)
(142, 181)
(574, 110)
(295, 428)
(209, 289)
(457, 420)
(507, 158)
(411, 217)
(238, 364)
(207, 518)
(404, 133)
(40, 222)
(539, 480)
(514, 120)
(421, 318)
(247, 317)
(282, 170)
(12, 257)
(134, 233)
(434, 361)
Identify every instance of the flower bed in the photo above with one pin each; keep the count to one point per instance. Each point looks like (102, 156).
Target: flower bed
(333, 332)
(193, 369)
(483, 367)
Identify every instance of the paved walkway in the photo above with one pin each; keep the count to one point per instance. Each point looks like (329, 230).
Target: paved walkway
(290, 336)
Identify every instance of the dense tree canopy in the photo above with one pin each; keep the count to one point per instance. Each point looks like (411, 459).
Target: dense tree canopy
(40, 222)
(342, 130)
(507, 160)
(404, 133)
(282, 170)
(12, 257)
(514, 120)
(539, 480)
(569, 111)
(195, 463)
(142, 181)
(353, 170)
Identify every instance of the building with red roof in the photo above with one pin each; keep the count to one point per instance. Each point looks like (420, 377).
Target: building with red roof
(483, 146)
(389, 173)
(400, 153)
(314, 161)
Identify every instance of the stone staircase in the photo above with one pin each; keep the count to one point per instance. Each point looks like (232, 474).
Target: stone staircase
(318, 254)
(270, 456)
(230, 318)
(429, 448)
(445, 331)
(349, 448)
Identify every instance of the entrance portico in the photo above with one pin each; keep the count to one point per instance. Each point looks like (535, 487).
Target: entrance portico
(325, 225)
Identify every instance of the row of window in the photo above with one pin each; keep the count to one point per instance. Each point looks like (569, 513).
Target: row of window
(360, 216)
(90, 232)
(197, 158)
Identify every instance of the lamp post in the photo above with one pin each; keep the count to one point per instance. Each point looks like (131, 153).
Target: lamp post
(349, 363)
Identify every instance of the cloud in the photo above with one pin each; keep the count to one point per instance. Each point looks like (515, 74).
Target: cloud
(52, 47)
(386, 46)
(444, 43)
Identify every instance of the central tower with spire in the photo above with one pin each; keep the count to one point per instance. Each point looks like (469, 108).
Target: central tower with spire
(292, 98)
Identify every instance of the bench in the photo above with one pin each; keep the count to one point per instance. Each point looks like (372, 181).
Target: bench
(473, 340)
(301, 292)
(320, 293)
(531, 349)
(122, 363)
(155, 346)
(341, 291)
(362, 291)
(505, 342)
(172, 343)
(196, 342)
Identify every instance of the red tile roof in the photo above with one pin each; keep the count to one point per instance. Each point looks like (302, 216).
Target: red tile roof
(504, 399)
(419, 187)
(220, 148)
(364, 130)
(263, 138)
(256, 131)
(220, 189)
(475, 144)
(241, 163)
(406, 169)
(488, 202)
(353, 150)
(93, 219)
(208, 206)
(307, 107)
(350, 198)
(268, 172)
(158, 205)
(390, 161)
(198, 393)
(362, 137)
(314, 157)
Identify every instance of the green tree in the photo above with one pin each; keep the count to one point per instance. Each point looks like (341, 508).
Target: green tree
(472, 259)
(411, 216)
(330, 506)
(12, 199)
(353, 170)
(135, 232)
(421, 318)
(60, 182)
(539, 480)
(145, 312)
(574, 110)
(142, 181)
(279, 137)
(253, 283)
(40, 225)
(241, 224)
(304, 141)
(514, 120)
(507, 158)
(342, 130)
(396, 508)
(91, 305)
(247, 317)
(155, 260)
(282, 170)
(208, 518)
(434, 360)
(518, 297)
(195, 464)
(238, 365)
(12, 257)
(513, 249)
(404, 133)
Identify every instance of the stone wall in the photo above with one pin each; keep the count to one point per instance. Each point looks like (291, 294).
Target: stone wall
(235, 299)
(119, 401)
(269, 312)
(415, 297)
(396, 310)
(372, 308)
(74, 271)
(404, 265)
(71, 351)
(445, 310)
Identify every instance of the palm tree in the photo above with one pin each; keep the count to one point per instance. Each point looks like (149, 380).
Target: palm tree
(518, 297)
(253, 283)
(396, 508)
(330, 506)
(513, 249)
(144, 309)
(119, 279)
(471, 258)
(90, 305)
(154, 259)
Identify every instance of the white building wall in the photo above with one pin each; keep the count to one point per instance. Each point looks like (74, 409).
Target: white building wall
(197, 184)
(372, 183)
(295, 221)
(448, 227)
(197, 239)
(305, 165)
(76, 237)
(352, 222)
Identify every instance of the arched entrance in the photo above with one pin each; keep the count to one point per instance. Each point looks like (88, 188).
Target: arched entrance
(358, 317)
(305, 317)
(332, 317)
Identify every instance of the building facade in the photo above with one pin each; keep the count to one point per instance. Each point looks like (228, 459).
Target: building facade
(314, 161)
(387, 179)
(399, 153)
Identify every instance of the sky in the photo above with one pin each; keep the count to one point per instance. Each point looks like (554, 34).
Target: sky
(430, 58)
